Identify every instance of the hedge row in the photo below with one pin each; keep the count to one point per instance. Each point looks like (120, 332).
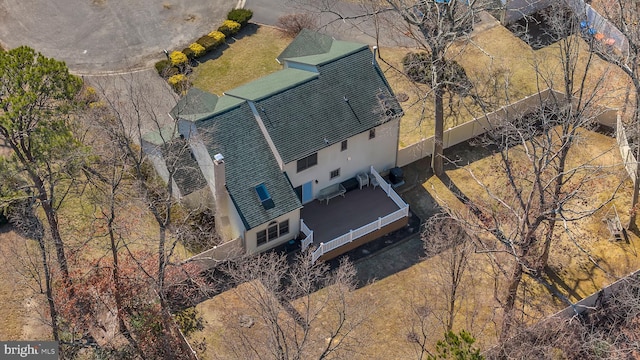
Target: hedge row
(177, 60)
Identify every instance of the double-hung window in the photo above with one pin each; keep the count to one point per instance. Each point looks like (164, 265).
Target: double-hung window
(307, 162)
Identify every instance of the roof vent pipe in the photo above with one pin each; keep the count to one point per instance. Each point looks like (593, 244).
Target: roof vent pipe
(375, 53)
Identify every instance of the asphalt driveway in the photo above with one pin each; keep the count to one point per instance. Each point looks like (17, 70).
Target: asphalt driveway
(101, 36)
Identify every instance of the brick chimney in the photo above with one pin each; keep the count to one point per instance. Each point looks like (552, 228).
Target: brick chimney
(219, 179)
(220, 195)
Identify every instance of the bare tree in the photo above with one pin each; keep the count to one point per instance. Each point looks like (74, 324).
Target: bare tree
(608, 330)
(435, 26)
(298, 311)
(121, 174)
(432, 26)
(438, 302)
(540, 192)
(445, 237)
(292, 24)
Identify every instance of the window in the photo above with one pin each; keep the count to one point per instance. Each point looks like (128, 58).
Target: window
(343, 146)
(262, 237)
(284, 227)
(372, 133)
(308, 162)
(335, 173)
(274, 231)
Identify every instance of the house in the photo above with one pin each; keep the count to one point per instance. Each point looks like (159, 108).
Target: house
(267, 150)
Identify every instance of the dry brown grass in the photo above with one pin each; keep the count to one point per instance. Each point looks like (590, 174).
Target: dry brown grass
(571, 264)
(21, 312)
(490, 50)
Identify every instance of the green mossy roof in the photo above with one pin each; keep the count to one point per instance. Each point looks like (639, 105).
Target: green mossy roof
(198, 104)
(272, 84)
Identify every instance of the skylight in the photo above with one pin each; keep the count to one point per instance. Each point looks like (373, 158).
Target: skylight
(264, 196)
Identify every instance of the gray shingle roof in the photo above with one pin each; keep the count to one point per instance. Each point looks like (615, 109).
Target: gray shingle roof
(307, 43)
(187, 175)
(301, 118)
(248, 162)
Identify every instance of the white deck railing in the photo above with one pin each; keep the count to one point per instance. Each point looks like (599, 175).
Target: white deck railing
(388, 189)
(308, 240)
(352, 235)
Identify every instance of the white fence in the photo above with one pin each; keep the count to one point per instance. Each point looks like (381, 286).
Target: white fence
(308, 240)
(225, 251)
(590, 302)
(388, 189)
(476, 127)
(468, 130)
(628, 157)
(352, 235)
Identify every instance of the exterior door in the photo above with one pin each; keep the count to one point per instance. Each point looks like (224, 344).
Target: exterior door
(307, 192)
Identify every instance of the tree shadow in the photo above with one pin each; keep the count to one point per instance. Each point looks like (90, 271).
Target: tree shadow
(212, 55)
(387, 255)
(558, 283)
(249, 30)
(5, 228)
(635, 230)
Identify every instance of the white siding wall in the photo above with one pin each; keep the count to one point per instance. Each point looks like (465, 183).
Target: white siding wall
(360, 154)
(299, 66)
(235, 222)
(250, 238)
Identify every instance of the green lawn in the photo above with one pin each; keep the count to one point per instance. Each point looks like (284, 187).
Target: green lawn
(250, 57)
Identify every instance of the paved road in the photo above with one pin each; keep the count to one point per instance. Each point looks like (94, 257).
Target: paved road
(94, 36)
(361, 29)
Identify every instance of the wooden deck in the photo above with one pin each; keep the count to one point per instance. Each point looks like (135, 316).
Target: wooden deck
(356, 209)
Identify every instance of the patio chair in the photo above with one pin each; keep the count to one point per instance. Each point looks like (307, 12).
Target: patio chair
(363, 180)
(373, 181)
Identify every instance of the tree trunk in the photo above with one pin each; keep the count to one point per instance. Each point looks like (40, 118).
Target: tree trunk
(634, 198)
(543, 261)
(49, 293)
(122, 327)
(52, 220)
(162, 260)
(438, 140)
(509, 306)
